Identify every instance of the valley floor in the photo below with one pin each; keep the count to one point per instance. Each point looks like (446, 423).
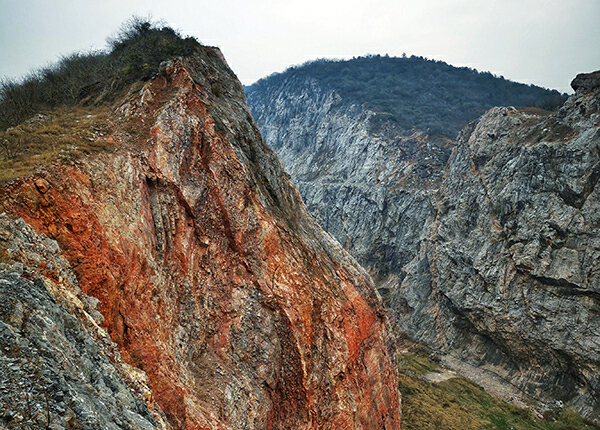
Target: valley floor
(434, 397)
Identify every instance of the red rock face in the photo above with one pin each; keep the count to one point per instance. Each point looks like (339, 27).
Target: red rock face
(211, 276)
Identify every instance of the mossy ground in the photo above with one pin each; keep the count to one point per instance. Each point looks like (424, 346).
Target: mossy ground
(462, 405)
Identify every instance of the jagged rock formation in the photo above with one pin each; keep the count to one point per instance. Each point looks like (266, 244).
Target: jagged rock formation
(586, 81)
(58, 367)
(211, 276)
(367, 183)
(490, 258)
(508, 277)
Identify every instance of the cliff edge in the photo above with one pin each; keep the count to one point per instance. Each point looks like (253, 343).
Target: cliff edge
(507, 279)
(209, 274)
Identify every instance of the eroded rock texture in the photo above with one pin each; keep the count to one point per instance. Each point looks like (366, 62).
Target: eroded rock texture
(490, 257)
(368, 183)
(509, 277)
(58, 367)
(210, 275)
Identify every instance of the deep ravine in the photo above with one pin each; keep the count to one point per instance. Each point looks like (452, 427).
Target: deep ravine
(491, 255)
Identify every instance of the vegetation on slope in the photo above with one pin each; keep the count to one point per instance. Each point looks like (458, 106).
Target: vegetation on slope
(64, 135)
(61, 111)
(415, 92)
(134, 54)
(457, 404)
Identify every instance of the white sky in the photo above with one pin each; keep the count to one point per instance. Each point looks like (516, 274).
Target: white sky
(544, 42)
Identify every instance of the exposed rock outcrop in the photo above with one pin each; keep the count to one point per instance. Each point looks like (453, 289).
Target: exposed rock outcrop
(491, 258)
(508, 278)
(58, 367)
(586, 81)
(367, 183)
(211, 276)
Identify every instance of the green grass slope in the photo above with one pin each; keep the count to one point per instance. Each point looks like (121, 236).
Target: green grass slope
(458, 404)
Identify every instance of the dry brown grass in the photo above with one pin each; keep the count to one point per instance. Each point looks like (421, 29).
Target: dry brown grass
(534, 110)
(63, 134)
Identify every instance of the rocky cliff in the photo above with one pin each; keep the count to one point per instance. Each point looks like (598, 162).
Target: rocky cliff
(208, 272)
(367, 182)
(508, 276)
(58, 367)
(489, 257)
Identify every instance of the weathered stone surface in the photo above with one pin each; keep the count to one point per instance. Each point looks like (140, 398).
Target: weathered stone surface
(367, 183)
(491, 259)
(509, 277)
(58, 368)
(210, 274)
(586, 81)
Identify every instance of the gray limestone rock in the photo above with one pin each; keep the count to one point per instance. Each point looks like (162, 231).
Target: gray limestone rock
(586, 81)
(367, 183)
(508, 278)
(58, 368)
(490, 257)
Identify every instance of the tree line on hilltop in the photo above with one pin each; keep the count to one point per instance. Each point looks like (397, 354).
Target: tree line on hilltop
(414, 92)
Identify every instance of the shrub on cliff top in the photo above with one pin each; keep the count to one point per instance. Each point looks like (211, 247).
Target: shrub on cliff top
(140, 47)
(134, 54)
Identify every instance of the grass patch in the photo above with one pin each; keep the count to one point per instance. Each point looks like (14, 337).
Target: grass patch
(457, 404)
(62, 135)
(417, 362)
(550, 131)
(534, 111)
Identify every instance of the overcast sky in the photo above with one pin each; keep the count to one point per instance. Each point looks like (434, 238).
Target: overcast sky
(544, 42)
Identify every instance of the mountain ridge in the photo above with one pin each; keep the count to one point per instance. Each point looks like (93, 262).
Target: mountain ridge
(209, 274)
(414, 92)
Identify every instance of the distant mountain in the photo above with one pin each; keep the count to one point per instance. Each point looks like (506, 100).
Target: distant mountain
(416, 93)
(485, 248)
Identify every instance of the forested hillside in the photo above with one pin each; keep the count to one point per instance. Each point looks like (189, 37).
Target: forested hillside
(415, 92)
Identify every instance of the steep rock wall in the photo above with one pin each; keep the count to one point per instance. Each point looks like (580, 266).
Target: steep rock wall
(490, 257)
(508, 279)
(210, 275)
(368, 183)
